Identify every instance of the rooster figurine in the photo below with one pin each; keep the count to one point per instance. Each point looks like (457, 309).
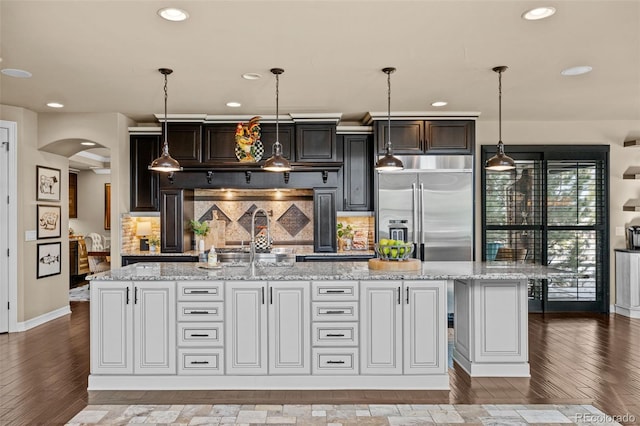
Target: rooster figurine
(247, 138)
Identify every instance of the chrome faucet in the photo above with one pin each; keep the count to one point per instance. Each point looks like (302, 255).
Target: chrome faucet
(252, 245)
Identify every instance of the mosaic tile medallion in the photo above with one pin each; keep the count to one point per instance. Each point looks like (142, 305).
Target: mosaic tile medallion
(293, 220)
(208, 215)
(245, 219)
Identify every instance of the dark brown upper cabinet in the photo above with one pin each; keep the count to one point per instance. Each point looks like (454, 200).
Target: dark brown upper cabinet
(316, 143)
(357, 176)
(185, 143)
(176, 210)
(427, 136)
(144, 184)
(219, 143)
(287, 139)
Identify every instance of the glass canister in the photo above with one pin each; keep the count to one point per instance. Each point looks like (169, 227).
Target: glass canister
(398, 230)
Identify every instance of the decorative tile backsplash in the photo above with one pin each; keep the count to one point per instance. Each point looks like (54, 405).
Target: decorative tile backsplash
(131, 242)
(290, 214)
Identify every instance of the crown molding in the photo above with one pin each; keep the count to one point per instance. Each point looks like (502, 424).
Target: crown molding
(354, 130)
(370, 117)
(145, 130)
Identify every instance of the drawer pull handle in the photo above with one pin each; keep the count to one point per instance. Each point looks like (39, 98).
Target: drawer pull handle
(335, 335)
(199, 362)
(198, 312)
(335, 291)
(199, 335)
(198, 292)
(335, 362)
(335, 312)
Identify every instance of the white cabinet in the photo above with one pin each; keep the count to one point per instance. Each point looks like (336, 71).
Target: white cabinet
(381, 327)
(111, 327)
(289, 328)
(282, 347)
(628, 283)
(133, 327)
(246, 328)
(403, 327)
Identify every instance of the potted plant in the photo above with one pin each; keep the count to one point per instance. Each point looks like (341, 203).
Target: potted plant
(345, 236)
(154, 242)
(200, 229)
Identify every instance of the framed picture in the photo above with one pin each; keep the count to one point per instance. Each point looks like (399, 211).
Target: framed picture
(48, 221)
(49, 259)
(107, 206)
(47, 184)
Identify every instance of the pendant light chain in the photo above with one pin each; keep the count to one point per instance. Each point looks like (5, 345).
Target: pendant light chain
(165, 146)
(277, 108)
(389, 109)
(500, 106)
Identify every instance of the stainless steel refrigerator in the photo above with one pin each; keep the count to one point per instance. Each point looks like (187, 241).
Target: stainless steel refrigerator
(434, 194)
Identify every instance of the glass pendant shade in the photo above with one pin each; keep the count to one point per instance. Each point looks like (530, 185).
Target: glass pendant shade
(389, 163)
(500, 162)
(165, 163)
(277, 163)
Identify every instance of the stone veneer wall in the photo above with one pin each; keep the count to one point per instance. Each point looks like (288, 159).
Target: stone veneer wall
(363, 227)
(130, 242)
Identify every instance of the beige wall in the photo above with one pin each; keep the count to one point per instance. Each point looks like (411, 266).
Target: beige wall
(612, 133)
(90, 203)
(37, 134)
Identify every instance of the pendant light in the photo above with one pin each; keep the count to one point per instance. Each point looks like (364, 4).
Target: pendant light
(389, 162)
(165, 163)
(500, 162)
(277, 163)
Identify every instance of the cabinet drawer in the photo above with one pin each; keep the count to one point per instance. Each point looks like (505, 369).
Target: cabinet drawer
(200, 334)
(200, 290)
(334, 311)
(200, 311)
(200, 361)
(335, 361)
(335, 290)
(335, 334)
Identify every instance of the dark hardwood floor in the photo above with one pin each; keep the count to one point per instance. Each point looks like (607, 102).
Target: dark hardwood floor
(575, 359)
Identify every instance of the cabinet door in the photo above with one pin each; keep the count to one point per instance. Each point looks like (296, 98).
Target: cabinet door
(289, 328)
(155, 327)
(406, 136)
(246, 328)
(171, 226)
(185, 143)
(425, 327)
(287, 139)
(380, 327)
(324, 218)
(111, 327)
(144, 184)
(219, 143)
(357, 183)
(449, 137)
(316, 143)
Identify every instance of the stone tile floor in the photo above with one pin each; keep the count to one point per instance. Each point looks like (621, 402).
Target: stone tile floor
(336, 415)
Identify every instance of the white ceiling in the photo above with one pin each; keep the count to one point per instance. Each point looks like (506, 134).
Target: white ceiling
(103, 56)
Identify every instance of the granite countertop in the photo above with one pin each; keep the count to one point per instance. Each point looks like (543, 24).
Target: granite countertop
(299, 251)
(626, 250)
(326, 271)
(157, 253)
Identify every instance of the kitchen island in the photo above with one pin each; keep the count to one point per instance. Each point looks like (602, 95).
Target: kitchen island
(328, 325)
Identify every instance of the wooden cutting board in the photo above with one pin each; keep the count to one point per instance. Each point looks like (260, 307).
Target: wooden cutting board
(395, 265)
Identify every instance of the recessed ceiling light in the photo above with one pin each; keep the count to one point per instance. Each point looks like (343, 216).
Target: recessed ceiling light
(87, 143)
(173, 14)
(438, 103)
(581, 69)
(234, 104)
(538, 13)
(251, 76)
(55, 105)
(14, 72)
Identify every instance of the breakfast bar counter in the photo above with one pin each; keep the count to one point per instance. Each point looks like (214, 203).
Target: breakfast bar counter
(327, 325)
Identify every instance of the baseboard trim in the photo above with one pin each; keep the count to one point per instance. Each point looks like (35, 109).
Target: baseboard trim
(44, 318)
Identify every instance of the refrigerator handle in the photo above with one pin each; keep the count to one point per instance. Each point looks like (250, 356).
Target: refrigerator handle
(415, 214)
(421, 195)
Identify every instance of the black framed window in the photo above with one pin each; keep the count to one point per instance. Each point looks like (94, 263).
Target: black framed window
(552, 210)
